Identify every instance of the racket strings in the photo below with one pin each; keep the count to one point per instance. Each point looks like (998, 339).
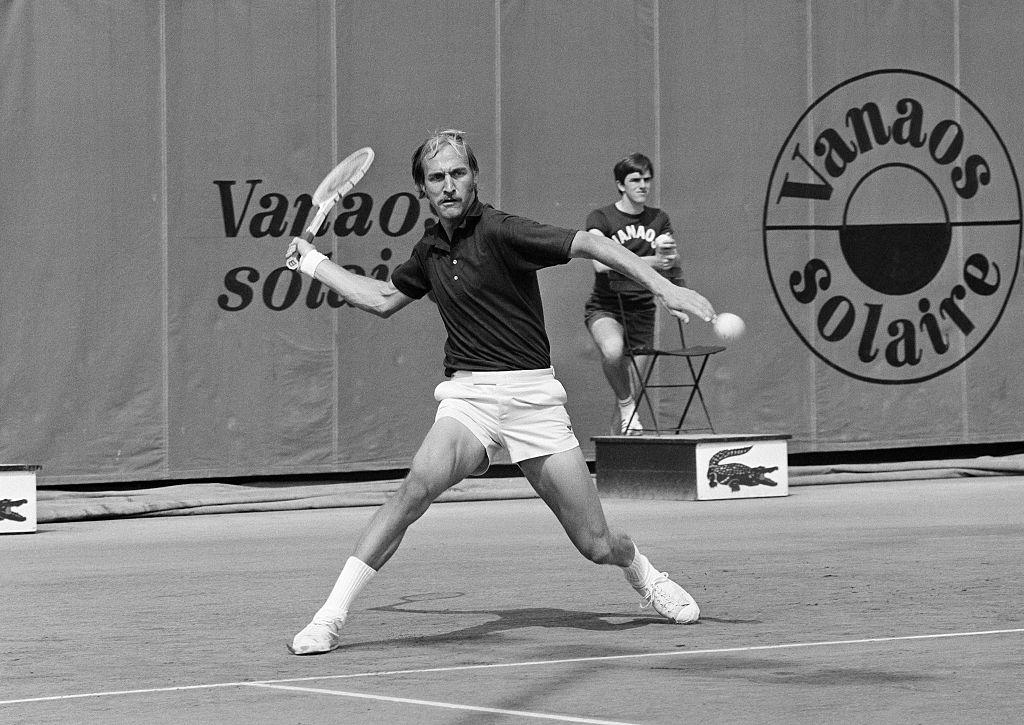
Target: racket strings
(344, 176)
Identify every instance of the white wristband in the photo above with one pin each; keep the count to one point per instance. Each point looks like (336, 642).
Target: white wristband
(310, 260)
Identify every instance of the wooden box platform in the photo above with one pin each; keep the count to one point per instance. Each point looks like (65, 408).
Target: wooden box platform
(692, 467)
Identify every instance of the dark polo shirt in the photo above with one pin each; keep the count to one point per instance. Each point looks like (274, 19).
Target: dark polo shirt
(484, 283)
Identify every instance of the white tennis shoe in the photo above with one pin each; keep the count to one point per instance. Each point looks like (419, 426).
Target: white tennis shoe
(668, 599)
(632, 427)
(317, 637)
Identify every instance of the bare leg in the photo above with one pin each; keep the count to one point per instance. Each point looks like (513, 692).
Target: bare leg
(564, 483)
(447, 455)
(611, 343)
(609, 337)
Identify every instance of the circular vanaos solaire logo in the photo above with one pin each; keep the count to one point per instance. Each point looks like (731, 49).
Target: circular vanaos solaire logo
(892, 227)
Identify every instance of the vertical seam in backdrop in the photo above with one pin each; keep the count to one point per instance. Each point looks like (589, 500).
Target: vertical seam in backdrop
(336, 361)
(657, 98)
(164, 271)
(958, 230)
(812, 310)
(497, 103)
(656, 101)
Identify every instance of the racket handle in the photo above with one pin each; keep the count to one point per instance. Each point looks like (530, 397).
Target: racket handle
(292, 261)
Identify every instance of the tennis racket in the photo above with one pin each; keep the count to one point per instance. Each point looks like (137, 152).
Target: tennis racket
(334, 186)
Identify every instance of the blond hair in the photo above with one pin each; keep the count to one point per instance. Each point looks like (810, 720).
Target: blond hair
(450, 137)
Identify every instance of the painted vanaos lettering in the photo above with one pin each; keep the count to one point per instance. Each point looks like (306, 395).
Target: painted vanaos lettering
(909, 128)
(274, 222)
(892, 227)
(838, 316)
(974, 174)
(836, 153)
(356, 215)
(389, 211)
(397, 216)
(282, 287)
(805, 286)
(945, 143)
(233, 222)
(903, 341)
(859, 119)
(805, 190)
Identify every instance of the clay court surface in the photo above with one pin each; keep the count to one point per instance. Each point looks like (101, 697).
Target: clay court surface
(861, 603)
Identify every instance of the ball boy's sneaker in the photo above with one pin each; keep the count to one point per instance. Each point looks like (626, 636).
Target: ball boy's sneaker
(632, 427)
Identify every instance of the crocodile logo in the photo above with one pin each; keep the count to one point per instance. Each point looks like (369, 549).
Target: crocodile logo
(7, 512)
(736, 475)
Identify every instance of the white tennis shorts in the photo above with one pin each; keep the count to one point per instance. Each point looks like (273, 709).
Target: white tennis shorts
(522, 411)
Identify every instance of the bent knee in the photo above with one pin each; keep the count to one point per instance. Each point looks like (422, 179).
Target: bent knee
(613, 352)
(598, 550)
(608, 338)
(418, 492)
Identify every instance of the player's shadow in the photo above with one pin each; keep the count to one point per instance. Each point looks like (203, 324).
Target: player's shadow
(504, 620)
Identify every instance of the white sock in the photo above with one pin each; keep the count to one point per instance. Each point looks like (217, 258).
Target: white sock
(627, 410)
(353, 578)
(640, 569)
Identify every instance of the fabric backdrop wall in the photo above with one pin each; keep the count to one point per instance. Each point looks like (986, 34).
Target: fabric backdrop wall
(839, 174)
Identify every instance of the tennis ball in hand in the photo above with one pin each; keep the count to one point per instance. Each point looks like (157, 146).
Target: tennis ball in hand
(728, 326)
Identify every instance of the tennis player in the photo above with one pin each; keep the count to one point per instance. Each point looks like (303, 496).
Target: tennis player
(647, 232)
(479, 266)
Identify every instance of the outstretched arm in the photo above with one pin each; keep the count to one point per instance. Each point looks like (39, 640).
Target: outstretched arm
(365, 293)
(662, 262)
(678, 300)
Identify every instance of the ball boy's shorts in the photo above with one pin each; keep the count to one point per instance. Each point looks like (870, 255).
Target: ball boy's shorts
(638, 323)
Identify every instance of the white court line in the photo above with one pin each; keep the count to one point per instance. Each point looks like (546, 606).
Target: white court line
(531, 663)
(645, 655)
(448, 705)
(111, 693)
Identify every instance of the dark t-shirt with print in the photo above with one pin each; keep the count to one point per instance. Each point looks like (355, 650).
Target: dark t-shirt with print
(635, 232)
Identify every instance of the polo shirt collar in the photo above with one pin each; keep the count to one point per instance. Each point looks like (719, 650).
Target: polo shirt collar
(476, 210)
